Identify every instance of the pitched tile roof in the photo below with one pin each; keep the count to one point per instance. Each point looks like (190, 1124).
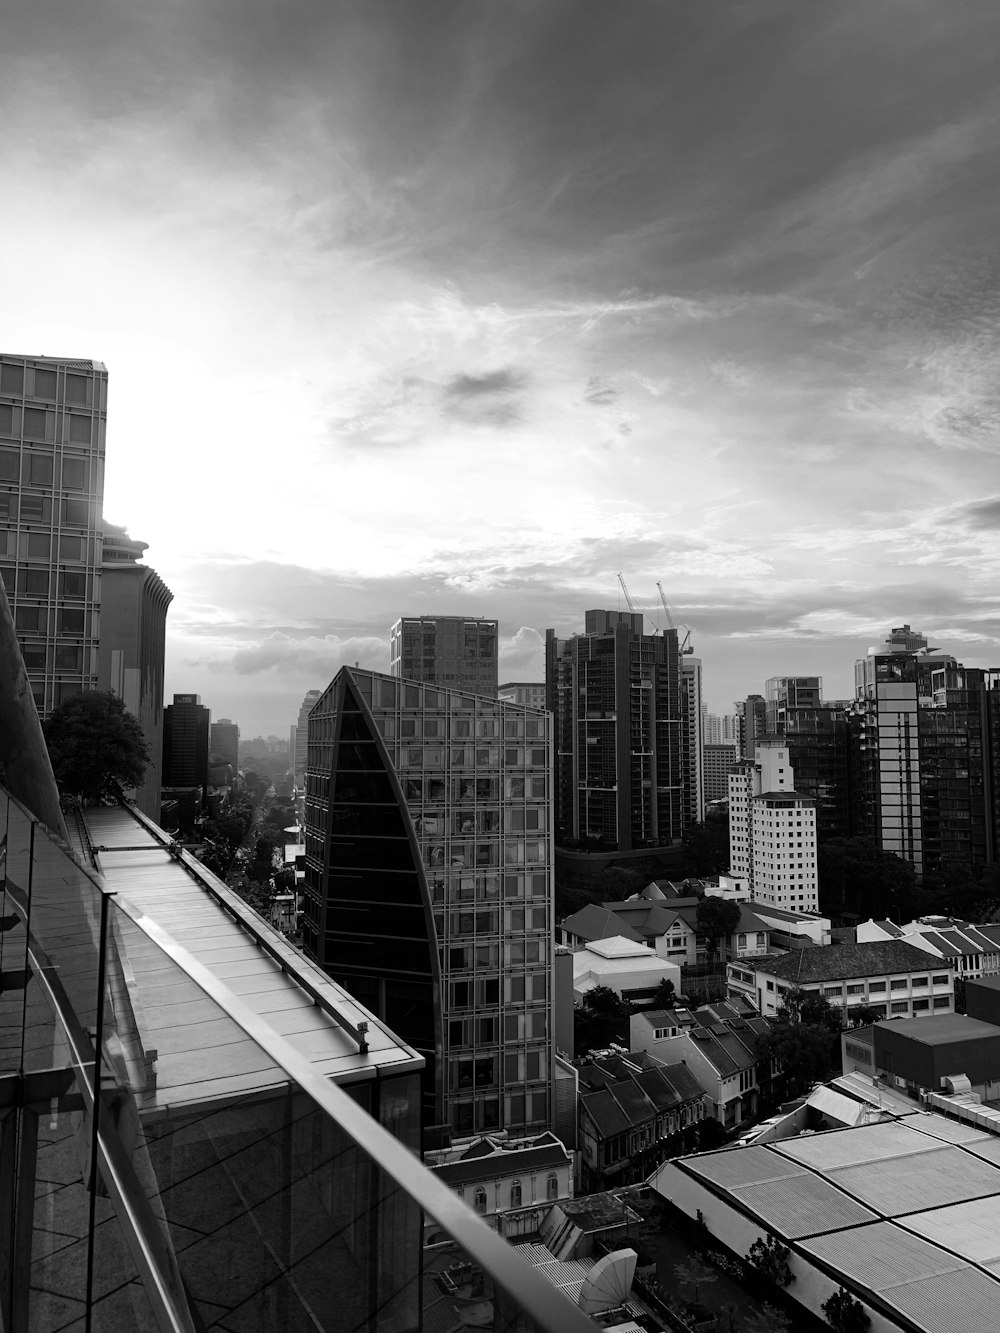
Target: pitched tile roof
(543, 1154)
(838, 962)
(597, 923)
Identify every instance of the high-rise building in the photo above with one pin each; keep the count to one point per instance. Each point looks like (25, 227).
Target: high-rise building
(299, 738)
(692, 740)
(429, 885)
(52, 423)
(455, 652)
(619, 732)
(772, 830)
(751, 723)
(134, 604)
(224, 742)
(925, 735)
(816, 734)
(186, 727)
(719, 759)
(531, 693)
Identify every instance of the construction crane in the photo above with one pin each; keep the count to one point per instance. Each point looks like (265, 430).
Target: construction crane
(686, 646)
(628, 599)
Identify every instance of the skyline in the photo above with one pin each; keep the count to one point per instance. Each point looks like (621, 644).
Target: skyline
(464, 309)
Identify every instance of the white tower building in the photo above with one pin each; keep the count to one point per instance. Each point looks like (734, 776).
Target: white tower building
(772, 831)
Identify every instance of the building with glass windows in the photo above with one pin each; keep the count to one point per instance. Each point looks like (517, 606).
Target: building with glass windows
(429, 885)
(455, 652)
(52, 422)
(624, 754)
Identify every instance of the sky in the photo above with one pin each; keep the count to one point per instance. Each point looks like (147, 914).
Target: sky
(464, 307)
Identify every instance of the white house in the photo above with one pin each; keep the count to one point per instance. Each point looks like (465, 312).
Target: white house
(631, 970)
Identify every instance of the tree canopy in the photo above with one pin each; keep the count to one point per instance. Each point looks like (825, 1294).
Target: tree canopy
(95, 746)
(601, 1019)
(716, 918)
(804, 1039)
(856, 875)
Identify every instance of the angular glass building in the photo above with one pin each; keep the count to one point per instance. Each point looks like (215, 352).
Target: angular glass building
(429, 885)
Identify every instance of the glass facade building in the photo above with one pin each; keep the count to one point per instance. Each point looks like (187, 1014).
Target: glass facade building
(455, 652)
(52, 424)
(429, 885)
(623, 749)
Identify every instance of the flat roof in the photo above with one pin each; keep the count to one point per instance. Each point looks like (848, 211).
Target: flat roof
(197, 1050)
(939, 1029)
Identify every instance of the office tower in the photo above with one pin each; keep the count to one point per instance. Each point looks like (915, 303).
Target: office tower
(455, 652)
(185, 742)
(692, 741)
(719, 759)
(751, 723)
(530, 693)
(224, 742)
(711, 726)
(772, 830)
(299, 739)
(52, 421)
(615, 697)
(926, 754)
(134, 604)
(817, 736)
(429, 885)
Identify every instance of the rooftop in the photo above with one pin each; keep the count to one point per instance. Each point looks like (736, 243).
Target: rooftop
(838, 962)
(940, 1029)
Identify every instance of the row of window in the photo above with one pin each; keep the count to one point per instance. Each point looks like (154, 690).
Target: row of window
(515, 1194)
(38, 508)
(39, 470)
(35, 423)
(42, 382)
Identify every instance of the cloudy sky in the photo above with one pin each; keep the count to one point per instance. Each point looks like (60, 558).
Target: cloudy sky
(432, 307)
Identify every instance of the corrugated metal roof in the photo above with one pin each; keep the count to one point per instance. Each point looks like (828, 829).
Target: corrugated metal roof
(802, 1205)
(910, 1184)
(847, 1147)
(971, 1228)
(736, 1167)
(949, 1131)
(965, 1301)
(882, 1255)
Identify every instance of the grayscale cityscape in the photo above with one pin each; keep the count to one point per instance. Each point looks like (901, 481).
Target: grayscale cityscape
(500, 667)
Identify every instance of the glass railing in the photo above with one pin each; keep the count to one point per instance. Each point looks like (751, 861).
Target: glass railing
(168, 1161)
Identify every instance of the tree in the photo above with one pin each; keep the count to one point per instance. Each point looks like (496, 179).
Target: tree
(857, 876)
(96, 747)
(863, 1015)
(716, 918)
(664, 997)
(803, 1006)
(601, 1019)
(706, 846)
(846, 1314)
(770, 1259)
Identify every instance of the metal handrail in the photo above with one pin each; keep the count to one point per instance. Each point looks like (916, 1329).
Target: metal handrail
(546, 1305)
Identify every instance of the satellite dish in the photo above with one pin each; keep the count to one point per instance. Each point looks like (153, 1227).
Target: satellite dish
(609, 1282)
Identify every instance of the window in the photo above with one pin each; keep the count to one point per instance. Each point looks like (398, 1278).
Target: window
(479, 1199)
(515, 1194)
(76, 389)
(10, 461)
(74, 474)
(920, 1005)
(71, 622)
(552, 1187)
(876, 986)
(899, 984)
(942, 1001)
(900, 1007)
(36, 582)
(35, 423)
(68, 658)
(33, 507)
(11, 379)
(45, 384)
(30, 619)
(919, 981)
(941, 979)
(855, 990)
(76, 512)
(40, 469)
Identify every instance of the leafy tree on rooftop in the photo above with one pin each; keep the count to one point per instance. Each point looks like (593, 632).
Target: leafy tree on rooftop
(96, 747)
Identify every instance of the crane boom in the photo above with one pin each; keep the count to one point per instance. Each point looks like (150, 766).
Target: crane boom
(628, 599)
(663, 603)
(685, 646)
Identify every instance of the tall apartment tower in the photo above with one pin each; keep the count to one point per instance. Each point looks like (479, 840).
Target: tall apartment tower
(772, 830)
(817, 737)
(925, 735)
(455, 652)
(299, 739)
(186, 729)
(692, 740)
(429, 885)
(619, 732)
(52, 424)
(224, 742)
(751, 724)
(134, 604)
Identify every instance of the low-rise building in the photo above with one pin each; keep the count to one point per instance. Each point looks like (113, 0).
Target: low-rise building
(721, 1053)
(631, 970)
(493, 1175)
(632, 1109)
(969, 950)
(945, 1053)
(891, 977)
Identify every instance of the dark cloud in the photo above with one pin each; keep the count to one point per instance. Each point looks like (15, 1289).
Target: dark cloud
(979, 514)
(600, 393)
(494, 398)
